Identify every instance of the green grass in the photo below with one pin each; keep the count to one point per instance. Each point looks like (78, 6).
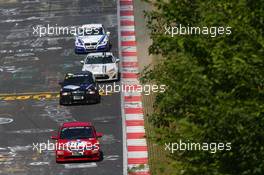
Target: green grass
(158, 157)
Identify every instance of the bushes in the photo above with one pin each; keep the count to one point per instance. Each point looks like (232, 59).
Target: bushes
(214, 84)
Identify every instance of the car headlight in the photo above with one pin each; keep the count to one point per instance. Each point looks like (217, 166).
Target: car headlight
(65, 93)
(94, 151)
(79, 42)
(104, 42)
(112, 71)
(60, 153)
(90, 91)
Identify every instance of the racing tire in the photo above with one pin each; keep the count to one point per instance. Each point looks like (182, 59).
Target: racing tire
(98, 99)
(118, 76)
(117, 79)
(61, 103)
(101, 157)
(58, 162)
(109, 46)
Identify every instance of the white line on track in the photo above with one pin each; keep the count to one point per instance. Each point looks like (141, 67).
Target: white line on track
(80, 165)
(135, 129)
(126, 7)
(134, 117)
(136, 142)
(138, 154)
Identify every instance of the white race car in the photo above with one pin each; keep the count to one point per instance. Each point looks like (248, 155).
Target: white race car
(92, 38)
(103, 65)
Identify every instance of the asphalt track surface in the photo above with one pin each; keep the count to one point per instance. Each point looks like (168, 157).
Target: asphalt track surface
(33, 66)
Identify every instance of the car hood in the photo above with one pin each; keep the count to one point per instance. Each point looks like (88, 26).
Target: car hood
(78, 143)
(76, 87)
(99, 68)
(92, 38)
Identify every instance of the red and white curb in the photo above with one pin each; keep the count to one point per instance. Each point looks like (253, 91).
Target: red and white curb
(135, 145)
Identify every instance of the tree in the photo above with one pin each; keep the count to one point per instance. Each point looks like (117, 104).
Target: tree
(214, 84)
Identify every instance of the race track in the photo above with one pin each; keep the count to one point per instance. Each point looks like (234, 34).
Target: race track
(30, 69)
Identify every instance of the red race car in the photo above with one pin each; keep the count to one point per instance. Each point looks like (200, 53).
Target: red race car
(77, 141)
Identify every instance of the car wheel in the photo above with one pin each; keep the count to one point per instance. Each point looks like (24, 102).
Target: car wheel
(101, 157)
(98, 99)
(108, 47)
(61, 103)
(76, 52)
(118, 76)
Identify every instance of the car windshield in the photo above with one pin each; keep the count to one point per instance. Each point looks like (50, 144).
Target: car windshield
(91, 31)
(77, 80)
(76, 133)
(99, 60)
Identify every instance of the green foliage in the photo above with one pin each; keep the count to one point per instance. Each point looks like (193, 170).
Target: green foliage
(215, 86)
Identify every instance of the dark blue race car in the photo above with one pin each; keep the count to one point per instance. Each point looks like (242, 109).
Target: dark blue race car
(79, 88)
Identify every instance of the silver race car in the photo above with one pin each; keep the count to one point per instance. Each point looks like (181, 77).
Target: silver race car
(103, 65)
(92, 38)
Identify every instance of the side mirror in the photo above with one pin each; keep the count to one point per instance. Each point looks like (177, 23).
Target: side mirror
(60, 83)
(82, 62)
(117, 60)
(108, 33)
(75, 34)
(54, 137)
(99, 134)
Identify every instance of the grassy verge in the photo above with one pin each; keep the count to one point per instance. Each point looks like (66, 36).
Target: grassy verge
(158, 157)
